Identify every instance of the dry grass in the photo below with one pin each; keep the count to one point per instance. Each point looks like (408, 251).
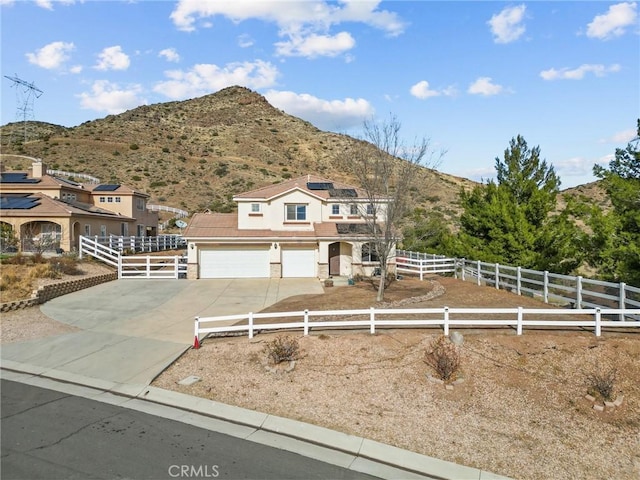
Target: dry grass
(520, 412)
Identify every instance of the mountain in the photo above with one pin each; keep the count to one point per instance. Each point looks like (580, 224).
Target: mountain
(197, 154)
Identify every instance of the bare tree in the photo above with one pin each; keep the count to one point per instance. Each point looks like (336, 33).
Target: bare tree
(387, 170)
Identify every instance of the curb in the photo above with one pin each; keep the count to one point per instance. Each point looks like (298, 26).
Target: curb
(347, 451)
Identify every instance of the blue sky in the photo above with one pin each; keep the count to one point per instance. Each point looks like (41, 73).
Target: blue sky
(469, 76)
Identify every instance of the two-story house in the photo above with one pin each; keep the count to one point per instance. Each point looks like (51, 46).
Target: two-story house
(303, 227)
(37, 207)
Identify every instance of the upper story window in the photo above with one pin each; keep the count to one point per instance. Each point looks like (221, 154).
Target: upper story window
(109, 199)
(69, 196)
(296, 212)
(353, 209)
(369, 209)
(140, 203)
(255, 208)
(103, 199)
(118, 199)
(335, 209)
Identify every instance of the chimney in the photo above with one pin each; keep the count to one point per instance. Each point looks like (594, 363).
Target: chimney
(39, 169)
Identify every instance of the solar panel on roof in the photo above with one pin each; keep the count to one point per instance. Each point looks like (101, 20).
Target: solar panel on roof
(319, 186)
(343, 192)
(106, 188)
(17, 203)
(17, 177)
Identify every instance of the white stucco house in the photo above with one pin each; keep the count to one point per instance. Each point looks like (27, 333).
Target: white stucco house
(303, 227)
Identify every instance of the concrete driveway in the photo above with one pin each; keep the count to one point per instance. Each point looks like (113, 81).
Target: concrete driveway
(131, 330)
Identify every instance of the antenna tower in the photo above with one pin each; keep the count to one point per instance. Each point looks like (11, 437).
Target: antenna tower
(26, 93)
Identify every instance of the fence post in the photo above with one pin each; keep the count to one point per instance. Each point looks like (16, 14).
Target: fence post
(120, 272)
(497, 276)
(598, 319)
(250, 325)
(306, 323)
(623, 299)
(446, 321)
(372, 319)
(421, 265)
(578, 292)
(462, 272)
(519, 327)
(176, 266)
(148, 275)
(546, 287)
(196, 333)
(519, 280)
(478, 267)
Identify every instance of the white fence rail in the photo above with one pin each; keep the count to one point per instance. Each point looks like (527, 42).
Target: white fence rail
(152, 266)
(575, 291)
(423, 263)
(135, 266)
(141, 244)
(162, 208)
(446, 317)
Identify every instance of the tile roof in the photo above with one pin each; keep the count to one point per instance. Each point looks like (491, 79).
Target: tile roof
(225, 226)
(50, 207)
(271, 191)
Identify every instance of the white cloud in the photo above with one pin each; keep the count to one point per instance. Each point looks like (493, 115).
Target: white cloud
(170, 55)
(76, 69)
(51, 56)
(578, 73)
(484, 86)
(624, 136)
(305, 26)
(111, 98)
(245, 41)
(422, 91)
(202, 79)
(113, 58)
(315, 45)
(335, 115)
(614, 22)
(48, 4)
(507, 26)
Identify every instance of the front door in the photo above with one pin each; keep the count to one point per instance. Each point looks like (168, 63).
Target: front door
(334, 259)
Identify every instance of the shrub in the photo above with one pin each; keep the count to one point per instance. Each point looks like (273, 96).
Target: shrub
(282, 349)
(601, 381)
(66, 265)
(444, 357)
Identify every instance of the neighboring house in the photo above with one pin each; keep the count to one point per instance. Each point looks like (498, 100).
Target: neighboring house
(304, 227)
(46, 212)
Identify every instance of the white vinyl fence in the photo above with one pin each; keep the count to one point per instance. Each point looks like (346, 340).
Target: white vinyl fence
(141, 244)
(445, 317)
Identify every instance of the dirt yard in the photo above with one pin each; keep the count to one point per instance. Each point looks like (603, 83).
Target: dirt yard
(520, 411)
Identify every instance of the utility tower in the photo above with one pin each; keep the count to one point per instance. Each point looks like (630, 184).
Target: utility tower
(26, 93)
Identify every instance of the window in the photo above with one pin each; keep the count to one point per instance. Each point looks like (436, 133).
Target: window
(69, 196)
(103, 230)
(335, 209)
(118, 199)
(369, 253)
(141, 230)
(109, 199)
(140, 203)
(353, 209)
(255, 208)
(370, 209)
(87, 230)
(296, 212)
(103, 199)
(124, 229)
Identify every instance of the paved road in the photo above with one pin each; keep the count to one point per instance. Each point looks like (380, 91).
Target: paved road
(53, 435)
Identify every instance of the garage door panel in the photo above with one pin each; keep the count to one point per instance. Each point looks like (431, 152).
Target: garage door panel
(299, 263)
(233, 263)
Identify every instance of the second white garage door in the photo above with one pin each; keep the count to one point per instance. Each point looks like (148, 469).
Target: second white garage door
(228, 263)
(299, 263)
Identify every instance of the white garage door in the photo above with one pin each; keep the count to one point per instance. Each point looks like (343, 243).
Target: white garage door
(298, 263)
(231, 263)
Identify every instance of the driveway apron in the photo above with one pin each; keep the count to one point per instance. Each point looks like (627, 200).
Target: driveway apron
(131, 330)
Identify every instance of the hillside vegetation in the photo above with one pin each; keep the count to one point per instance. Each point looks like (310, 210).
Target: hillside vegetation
(196, 154)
